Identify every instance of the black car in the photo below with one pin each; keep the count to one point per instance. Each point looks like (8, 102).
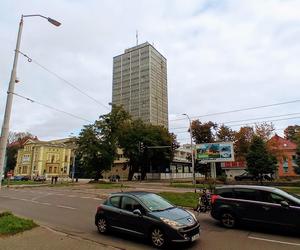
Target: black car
(245, 176)
(147, 215)
(245, 203)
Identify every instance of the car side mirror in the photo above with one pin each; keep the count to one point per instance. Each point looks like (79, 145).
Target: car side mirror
(284, 204)
(137, 212)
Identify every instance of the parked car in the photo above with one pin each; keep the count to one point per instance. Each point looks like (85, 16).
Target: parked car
(244, 203)
(147, 215)
(39, 178)
(21, 178)
(114, 178)
(245, 176)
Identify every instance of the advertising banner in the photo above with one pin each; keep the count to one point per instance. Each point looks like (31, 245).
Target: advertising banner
(215, 152)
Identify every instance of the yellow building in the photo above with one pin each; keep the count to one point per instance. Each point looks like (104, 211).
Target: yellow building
(44, 158)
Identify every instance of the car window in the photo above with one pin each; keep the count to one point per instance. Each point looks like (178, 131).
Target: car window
(274, 198)
(130, 204)
(225, 192)
(247, 194)
(115, 201)
(155, 203)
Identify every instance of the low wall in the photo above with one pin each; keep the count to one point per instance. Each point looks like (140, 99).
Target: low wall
(168, 176)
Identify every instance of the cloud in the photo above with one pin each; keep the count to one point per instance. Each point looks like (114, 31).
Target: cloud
(222, 55)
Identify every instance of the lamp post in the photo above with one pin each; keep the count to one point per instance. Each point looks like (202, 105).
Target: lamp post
(192, 152)
(10, 92)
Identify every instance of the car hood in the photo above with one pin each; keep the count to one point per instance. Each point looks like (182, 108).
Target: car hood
(176, 214)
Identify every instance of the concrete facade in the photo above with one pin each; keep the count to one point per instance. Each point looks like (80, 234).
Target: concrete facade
(140, 84)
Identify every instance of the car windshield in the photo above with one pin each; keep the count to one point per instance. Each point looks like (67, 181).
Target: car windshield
(290, 196)
(155, 203)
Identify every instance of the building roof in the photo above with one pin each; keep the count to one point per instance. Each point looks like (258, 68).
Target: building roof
(282, 143)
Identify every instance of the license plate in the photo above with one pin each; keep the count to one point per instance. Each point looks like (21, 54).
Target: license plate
(195, 237)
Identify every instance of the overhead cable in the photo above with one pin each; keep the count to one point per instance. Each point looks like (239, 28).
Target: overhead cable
(64, 80)
(53, 108)
(239, 110)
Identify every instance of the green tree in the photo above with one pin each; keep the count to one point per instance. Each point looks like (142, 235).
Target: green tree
(259, 160)
(264, 130)
(297, 168)
(97, 143)
(152, 155)
(203, 132)
(225, 134)
(242, 142)
(292, 133)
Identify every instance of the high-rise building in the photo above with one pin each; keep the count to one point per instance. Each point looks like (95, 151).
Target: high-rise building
(140, 84)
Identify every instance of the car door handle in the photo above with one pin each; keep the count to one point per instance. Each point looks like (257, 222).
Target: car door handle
(266, 208)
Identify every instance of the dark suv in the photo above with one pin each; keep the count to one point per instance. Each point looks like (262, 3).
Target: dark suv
(245, 176)
(243, 203)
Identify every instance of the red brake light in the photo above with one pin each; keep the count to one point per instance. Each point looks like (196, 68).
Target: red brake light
(213, 198)
(99, 208)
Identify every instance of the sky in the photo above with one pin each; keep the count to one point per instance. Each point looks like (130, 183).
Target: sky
(221, 55)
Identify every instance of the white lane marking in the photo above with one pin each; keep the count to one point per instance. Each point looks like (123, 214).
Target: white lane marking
(274, 241)
(71, 196)
(73, 208)
(45, 203)
(86, 197)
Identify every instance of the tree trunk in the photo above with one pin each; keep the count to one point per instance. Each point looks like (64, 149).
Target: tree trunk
(130, 173)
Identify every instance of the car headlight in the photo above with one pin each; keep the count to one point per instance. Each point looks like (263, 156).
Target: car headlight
(171, 223)
(194, 217)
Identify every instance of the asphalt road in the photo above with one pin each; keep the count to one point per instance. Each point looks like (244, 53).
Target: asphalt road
(72, 211)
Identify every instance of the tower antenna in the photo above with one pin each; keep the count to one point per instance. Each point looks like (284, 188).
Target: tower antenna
(137, 38)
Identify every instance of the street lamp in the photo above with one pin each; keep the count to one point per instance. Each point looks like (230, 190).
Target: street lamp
(192, 153)
(10, 92)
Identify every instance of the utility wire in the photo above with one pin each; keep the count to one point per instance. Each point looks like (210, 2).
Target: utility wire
(251, 119)
(239, 110)
(62, 79)
(247, 124)
(50, 107)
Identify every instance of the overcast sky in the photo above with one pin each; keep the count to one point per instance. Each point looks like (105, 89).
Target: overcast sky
(221, 55)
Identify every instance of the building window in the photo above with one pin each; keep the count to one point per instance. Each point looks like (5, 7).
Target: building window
(26, 158)
(285, 165)
(24, 169)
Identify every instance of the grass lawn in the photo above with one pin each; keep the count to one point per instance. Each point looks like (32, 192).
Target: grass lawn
(189, 199)
(10, 224)
(107, 185)
(294, 190)
(21, 182)
(189, 185)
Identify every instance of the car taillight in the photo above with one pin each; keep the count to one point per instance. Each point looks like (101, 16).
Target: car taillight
(213, 198)
(99, 208)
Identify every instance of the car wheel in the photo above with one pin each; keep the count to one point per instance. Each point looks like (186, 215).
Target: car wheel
(228, 220)
(102, 225)
(158, 238)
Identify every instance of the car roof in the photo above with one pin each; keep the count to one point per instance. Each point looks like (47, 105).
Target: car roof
(264, 188)
(133, 193)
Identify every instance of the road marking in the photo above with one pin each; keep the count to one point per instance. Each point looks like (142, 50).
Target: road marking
(274, 241)
(45, 203)
(86, 197)
(73, 208)
(98, 199)
(71, 196)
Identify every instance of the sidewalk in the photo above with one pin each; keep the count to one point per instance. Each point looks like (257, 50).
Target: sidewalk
(42, 238)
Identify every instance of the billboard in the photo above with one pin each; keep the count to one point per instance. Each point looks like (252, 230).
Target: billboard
(215, 152)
